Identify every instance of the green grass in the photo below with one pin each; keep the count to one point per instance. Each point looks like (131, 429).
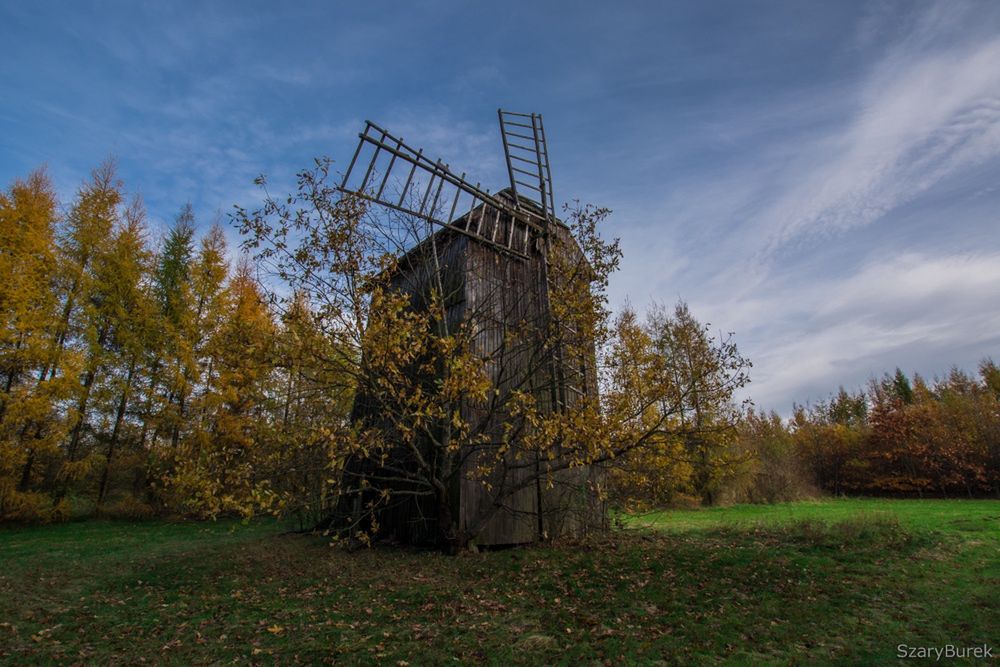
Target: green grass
(831, 582)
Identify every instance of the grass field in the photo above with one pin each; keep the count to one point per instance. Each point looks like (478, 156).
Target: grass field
(838, 581)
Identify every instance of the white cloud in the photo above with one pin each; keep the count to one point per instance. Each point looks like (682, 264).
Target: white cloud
(921, 312)
(919, 117)
(910, 281)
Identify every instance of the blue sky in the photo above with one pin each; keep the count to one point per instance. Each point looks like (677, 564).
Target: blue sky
(821, 178)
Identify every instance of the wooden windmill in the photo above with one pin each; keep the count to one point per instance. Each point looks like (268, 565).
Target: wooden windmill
(494, 251)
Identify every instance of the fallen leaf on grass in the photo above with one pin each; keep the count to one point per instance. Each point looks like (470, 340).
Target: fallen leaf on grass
(42, 634)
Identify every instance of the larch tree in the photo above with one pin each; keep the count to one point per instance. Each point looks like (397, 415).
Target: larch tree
(95, 232)
(28, 308)
(65, 378)
(210, 300)
(226, 466)
(132, 312)
(316, 388)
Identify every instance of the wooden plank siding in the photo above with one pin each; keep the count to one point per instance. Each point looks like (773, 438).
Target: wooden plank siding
(501, 298)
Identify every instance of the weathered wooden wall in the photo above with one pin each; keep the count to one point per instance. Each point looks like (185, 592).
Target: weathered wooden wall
(501, 298)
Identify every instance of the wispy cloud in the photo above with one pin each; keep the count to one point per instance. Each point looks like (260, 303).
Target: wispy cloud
(921, 312)
(915, 124)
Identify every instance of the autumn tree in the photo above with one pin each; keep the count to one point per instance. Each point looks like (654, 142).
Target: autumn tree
(140, 381)
(777, 473)
(132, 311)
(314, 387)
(28, 307)
(831, 437)
(637, 379)
(66, 377)
(222, 463)
(704, 372)
(101, 247)
(905, 436)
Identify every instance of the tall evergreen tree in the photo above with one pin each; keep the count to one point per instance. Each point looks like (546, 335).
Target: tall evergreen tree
(173, 354)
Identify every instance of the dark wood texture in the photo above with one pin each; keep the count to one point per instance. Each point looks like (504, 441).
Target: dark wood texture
(502, 299)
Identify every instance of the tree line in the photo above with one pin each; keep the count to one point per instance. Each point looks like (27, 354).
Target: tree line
(906, 436)
(900, 436)
(139, 377)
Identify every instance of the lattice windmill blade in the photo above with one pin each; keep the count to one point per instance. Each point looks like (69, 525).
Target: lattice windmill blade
(428, 188)
(527, 156)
